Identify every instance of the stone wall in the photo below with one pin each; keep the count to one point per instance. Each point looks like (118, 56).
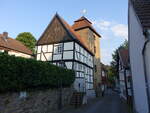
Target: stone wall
(37, 101)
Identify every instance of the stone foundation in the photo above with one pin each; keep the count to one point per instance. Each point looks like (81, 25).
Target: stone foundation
(38, 101)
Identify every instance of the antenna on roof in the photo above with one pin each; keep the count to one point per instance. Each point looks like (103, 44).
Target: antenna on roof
(84, 12)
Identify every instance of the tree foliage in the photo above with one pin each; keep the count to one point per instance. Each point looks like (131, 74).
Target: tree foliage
(27, 39)
(113, 69)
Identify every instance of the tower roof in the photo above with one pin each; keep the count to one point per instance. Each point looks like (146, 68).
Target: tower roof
(82, 23)
(83, 18)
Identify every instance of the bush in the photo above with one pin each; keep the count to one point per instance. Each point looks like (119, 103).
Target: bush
(18, 73)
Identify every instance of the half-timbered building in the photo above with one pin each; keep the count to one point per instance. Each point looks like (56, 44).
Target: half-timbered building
(62, 46)
(124, 75)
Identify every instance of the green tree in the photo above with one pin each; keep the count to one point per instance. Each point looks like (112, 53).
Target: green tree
(27, 39)
(113, 69)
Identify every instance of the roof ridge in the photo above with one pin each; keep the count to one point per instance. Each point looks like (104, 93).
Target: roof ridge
(83, 18)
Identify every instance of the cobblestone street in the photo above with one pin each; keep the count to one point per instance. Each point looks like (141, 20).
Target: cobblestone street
(110, 103)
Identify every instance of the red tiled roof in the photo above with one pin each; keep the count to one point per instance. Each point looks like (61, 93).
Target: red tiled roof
(124, 57)
(142, 8)
(12, 44)
(83, 23)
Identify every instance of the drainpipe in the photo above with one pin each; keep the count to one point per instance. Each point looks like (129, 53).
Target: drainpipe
(147, 35)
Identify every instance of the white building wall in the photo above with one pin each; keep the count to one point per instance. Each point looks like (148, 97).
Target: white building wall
(147, 63)
(122, 84)
(68, 46)
(18, 54)
(68, 55)
(136, 43)
(84, 73)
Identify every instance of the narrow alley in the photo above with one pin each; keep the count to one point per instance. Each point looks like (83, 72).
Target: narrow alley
(110, 103)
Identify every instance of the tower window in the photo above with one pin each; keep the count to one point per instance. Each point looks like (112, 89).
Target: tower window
(94, 49)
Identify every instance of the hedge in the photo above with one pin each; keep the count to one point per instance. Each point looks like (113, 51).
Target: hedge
(18, 74)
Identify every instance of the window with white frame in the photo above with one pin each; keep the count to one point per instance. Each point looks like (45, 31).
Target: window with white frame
(58, 49)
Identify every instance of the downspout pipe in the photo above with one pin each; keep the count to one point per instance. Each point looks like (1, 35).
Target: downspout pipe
(146, 33)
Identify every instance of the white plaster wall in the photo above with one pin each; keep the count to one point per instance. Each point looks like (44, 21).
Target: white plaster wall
(121, 75)
(43, 57)
(48, 56)
(80, 81)
(136, 42)
(1, 50)
(44, 48)
(147, 63)
(38, 57)
(68, 46)
(57, 57)
(68, 55)
(50, 48)
(69, 65)
(122, 84)
(38, 49)
(18, 54)
(81, 57)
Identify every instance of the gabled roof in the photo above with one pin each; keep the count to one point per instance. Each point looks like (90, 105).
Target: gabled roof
(73, 35)
(124, 57)
(82, 23)
(142, 9)
(12, 44)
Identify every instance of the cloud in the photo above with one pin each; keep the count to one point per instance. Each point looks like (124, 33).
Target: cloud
(120, 30)
(102, 24)
(113, 34)
(106, 55)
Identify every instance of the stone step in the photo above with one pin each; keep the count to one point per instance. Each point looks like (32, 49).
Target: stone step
(77, 99)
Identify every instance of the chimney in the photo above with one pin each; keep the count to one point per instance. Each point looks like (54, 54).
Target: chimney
(5, 35)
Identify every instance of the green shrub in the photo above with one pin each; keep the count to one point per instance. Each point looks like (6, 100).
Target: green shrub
(18, 73)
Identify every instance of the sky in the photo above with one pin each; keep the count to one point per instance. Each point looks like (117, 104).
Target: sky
(109, 17)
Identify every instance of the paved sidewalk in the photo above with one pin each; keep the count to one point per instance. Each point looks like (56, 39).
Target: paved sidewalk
(110, 103)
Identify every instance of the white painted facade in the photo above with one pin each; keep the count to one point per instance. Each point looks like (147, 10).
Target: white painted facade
(147, 64)
(122, 83)
(136, 45)
(74, 57)
(17, 54)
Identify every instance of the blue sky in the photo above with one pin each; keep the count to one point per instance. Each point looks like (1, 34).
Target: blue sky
(108, 16)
